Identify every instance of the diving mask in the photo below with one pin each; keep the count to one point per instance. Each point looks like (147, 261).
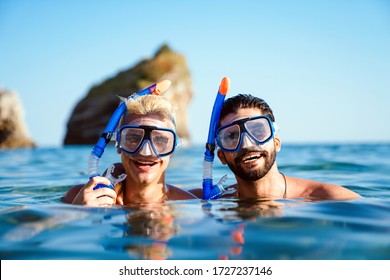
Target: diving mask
(131, 138)
(260, 129)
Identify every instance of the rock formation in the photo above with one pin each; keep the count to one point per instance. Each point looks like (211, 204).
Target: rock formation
(92, 113)
(13, 130)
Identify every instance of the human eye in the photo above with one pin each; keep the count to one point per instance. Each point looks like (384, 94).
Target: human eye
(133, 137)
(161, 140)
(230, 135)
(259, 129)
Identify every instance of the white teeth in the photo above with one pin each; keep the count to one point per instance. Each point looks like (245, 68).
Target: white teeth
(251, 158)
(145, 162)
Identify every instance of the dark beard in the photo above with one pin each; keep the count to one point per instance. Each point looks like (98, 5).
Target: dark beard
(269, 160)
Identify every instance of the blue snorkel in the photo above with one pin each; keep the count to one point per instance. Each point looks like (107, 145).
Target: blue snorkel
(105, 138)
(211, 191)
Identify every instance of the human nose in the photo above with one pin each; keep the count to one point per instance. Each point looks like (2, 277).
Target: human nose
(246, 141)
(146, 149)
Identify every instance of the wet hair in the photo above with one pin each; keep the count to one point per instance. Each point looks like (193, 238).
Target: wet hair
(150, 105)
(242, 101)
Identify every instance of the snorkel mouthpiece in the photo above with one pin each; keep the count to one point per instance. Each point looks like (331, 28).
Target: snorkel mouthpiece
(108, 132)
(211, 191)
(161, 87)
(224, 86)
(156, 89)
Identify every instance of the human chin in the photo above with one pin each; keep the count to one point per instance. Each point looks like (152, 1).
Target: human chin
(250, 159)
(147, 171)
(253, 168)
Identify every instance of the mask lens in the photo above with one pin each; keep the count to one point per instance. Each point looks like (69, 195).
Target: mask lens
(163, 141)
(229, 137)
(131, 138)
(259, 129)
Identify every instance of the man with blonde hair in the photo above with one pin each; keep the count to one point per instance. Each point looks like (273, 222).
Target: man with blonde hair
(146, 140)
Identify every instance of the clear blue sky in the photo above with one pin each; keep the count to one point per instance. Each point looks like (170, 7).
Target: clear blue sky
(323, 66)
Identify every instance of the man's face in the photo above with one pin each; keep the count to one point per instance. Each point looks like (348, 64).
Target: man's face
(145, 167)
(252, 161)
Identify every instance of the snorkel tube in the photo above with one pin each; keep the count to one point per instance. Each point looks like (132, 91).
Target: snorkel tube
(98, 149)
(211, 191)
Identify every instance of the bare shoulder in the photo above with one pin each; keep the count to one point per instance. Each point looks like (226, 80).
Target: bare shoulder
(71, 194)
(175, 193)
(298, 187)
(198, 192)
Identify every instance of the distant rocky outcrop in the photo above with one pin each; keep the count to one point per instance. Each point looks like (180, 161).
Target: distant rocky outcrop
(92, 113)
(13, 130)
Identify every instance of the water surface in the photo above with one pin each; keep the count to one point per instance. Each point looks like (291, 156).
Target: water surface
(35, 224)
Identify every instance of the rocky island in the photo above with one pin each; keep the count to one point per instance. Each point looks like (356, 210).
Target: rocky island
(92, 113)
(13, 129)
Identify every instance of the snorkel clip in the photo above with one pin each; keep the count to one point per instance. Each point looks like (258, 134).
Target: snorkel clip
(210, 147)
(107, 136)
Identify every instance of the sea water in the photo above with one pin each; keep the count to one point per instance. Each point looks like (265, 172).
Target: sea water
(35, 224)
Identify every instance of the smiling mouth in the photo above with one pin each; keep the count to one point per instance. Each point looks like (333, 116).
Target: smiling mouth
(145, 163)
(251, 158)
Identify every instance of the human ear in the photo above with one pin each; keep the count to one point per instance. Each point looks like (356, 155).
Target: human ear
(278, 143)
(221, 157)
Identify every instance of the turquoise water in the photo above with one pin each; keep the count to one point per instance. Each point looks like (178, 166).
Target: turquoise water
(35, 224)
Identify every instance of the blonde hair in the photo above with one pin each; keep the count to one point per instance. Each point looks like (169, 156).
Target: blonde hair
(150, 104)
